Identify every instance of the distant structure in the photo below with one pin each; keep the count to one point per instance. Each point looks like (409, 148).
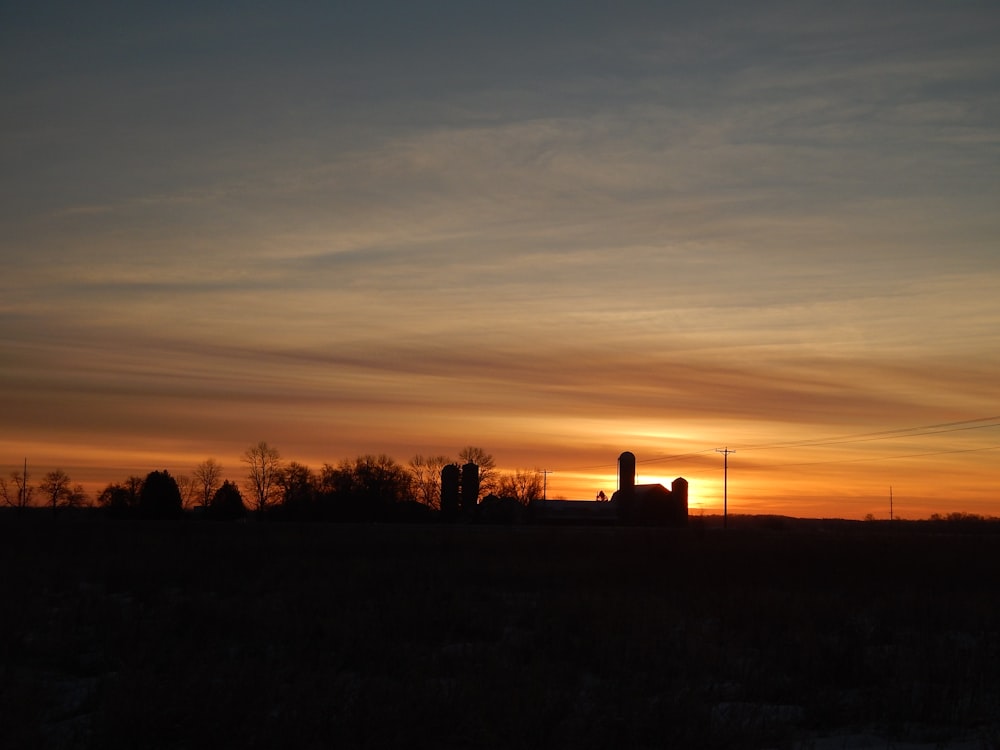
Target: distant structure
(651, 504)
(632, 504)
(470, 489)
(626, 473)
(459, 491)
(451, 479)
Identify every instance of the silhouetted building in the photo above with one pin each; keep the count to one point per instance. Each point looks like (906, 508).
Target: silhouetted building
(450, 481)
(626, 472)
(500, 510)
(649, 503)
(470, 489)
(576, 512)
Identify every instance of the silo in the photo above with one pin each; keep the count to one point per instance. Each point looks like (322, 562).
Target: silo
(625, 497)
(626, 472)
(450, 476)
(679, 493)
(470, 487)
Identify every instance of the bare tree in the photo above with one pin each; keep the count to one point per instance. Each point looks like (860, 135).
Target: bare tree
(60, 493)
(133, 486)
(298, 489)
(55, 486)
(425, 474)
(208, 477)
(380, 481)
(263, 481)
(189, 489)
(488, 477)
(19, 494)
(121, 499)
(77, 497)
(522, 485)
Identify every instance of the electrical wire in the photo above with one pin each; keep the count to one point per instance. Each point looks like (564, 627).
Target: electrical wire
(861, 437)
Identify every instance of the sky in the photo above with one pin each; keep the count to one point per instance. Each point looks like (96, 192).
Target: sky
(554, 230)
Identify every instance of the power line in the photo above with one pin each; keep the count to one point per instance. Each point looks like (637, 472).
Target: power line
(887, 458)
(863, 437)
(725, 484)
(903, 432)
(675, 457)
(849, 438)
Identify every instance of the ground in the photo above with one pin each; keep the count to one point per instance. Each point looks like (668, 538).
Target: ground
(193, 634)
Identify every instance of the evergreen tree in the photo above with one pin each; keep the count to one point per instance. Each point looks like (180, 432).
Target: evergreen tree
(227, 503)
(160, 496)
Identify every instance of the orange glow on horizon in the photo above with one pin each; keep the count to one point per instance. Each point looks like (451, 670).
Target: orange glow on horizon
(776, 468)
(843, 485)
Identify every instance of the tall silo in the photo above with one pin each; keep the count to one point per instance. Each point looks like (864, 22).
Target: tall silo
(470, 487)
(679, 494)
(450, 478)
(626, 472)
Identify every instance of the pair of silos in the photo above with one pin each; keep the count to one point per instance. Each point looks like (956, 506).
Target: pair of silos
(459, 489)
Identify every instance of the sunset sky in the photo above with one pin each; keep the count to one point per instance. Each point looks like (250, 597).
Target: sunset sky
(555, 230)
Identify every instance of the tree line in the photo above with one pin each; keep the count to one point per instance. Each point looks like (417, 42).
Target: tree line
(368, 487)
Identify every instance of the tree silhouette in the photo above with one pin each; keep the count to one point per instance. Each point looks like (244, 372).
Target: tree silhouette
(160, 496)
(59, 492)
(189, 490)
(366, 489)
(298, 488)
(19, 495)
(227, 503)
(425, 479)
(521, 485)
(121, 499)
(381, 481)
(208, 477)
(488, 475)
(334, 493)
(263, 475)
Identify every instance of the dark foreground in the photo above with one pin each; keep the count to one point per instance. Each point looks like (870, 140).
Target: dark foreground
(187, 635)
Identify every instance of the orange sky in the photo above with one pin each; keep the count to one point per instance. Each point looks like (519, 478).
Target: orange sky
(400, 229)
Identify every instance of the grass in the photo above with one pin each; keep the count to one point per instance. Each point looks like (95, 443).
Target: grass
(187, 635)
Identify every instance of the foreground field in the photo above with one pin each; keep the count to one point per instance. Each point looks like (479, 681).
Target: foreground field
(185, 635)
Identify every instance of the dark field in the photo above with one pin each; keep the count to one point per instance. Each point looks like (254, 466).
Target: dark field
(185, 634)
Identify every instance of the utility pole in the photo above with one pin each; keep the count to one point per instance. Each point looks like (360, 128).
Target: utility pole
(725, 484)
(890, 502)
(545, 482)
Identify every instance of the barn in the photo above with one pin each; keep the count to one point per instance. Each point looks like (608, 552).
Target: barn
(640, 504)
(632, 504)
(651, 504)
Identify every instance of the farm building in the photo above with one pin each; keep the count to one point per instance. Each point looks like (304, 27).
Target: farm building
(644, 504)
(647, 504)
